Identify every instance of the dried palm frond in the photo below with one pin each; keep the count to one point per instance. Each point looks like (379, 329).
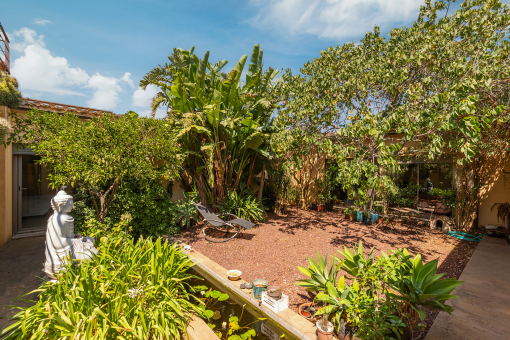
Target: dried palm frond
(503, 210)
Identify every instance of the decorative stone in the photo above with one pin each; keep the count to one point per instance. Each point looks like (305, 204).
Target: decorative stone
(61, 242)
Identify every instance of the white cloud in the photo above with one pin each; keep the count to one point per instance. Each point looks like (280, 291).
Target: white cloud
(127, 79)
(332, 18)
(143, 99)
(37, 70)
(24, 37)
(41, 22)
(106, 92)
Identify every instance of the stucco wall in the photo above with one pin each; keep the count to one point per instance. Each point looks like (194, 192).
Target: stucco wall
(498, 191)
(5, 189)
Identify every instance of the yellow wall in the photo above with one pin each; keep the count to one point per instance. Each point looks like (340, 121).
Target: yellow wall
(497, 191)
(5, 189)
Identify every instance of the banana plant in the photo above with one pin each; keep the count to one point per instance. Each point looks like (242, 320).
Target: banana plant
(222, 123)
(319, 275)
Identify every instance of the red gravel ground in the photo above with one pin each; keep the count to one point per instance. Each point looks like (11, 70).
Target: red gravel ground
(274, 249)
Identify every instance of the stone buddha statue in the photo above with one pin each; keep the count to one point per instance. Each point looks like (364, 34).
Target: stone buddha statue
(61, 242)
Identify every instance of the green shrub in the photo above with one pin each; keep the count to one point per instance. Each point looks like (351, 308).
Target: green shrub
(388, 293)
(9, 94)
(104, 234)
(185, 210)
(133, 291)
(405, 196)
(247, 207)
(147, 201)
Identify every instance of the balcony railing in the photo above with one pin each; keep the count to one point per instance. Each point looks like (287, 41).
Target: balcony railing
(4, 52)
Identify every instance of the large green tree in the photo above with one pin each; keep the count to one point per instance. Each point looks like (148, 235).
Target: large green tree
(223, 124)
(443, 82)
(99, 152)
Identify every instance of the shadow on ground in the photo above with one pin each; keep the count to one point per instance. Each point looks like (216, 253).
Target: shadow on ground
(21, 265)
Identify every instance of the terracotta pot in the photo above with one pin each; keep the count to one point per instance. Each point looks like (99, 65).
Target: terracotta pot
(323, 335)
(351, 217)
(305, 314)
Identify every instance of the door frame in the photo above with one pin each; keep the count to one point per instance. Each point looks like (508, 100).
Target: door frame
(17, 187)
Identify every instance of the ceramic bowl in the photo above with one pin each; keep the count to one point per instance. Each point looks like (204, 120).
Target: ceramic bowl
(234, 274)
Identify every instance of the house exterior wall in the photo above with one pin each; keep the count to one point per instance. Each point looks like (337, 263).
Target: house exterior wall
(497, 191)
(5, 189)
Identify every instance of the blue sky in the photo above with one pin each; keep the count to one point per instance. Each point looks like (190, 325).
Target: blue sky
(94, 53)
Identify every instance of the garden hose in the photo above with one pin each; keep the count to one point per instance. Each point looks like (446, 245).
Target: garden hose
(465, 236)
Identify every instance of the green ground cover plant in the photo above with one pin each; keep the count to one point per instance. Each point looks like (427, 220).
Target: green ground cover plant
(129, 291)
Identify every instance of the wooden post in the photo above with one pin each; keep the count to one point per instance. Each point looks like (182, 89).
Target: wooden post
(262, 176)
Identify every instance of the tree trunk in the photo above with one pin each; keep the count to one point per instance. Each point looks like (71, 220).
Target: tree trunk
(202, 191)
(262, 176)
(250, 173)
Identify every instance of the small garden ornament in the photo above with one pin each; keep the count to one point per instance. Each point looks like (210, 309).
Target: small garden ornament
(61, 242)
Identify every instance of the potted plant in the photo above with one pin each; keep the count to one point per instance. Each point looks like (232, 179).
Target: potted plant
(324, 328)
(359, 215)
(350, 213)
(374, 215)
(367, 218)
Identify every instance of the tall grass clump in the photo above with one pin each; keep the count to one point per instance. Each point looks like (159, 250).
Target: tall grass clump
(129, 291)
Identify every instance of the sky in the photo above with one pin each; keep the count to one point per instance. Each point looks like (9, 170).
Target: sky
(94, 53)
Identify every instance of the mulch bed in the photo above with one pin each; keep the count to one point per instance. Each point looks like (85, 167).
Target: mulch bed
(273, 250)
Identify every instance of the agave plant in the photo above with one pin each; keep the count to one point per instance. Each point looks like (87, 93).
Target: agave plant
(419, 286)
(319, 274)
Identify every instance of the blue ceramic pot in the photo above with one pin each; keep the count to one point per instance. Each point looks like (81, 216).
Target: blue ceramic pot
(374, 216)
(359, 216)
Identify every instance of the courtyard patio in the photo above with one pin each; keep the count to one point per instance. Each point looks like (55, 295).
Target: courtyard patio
(274, 249)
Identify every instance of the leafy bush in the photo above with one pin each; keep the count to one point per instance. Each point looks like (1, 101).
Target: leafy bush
(440, 192)
(104, 234)
(185, 210)
(9, 94)
(405, 196)
(133, 291)
(5, 128)
(349, 210)
(247, 207)
(147, 201)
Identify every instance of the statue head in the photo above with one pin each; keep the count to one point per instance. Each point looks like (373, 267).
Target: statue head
(62, 202)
